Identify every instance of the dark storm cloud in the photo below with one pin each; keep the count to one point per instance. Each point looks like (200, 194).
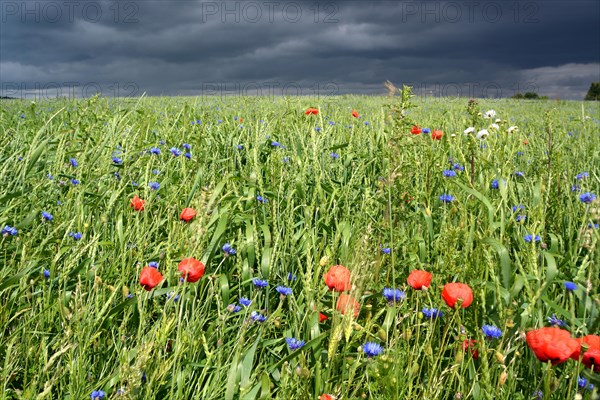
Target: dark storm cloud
(469, 48)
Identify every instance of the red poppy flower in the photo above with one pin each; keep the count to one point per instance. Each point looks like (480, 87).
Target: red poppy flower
(150, 277)
(591, 357)
(418, 279)
(326, 397)
(437, 135)
(137, 203)
(470, 344)
(347, 303)
(452, 292)
(338, 278)
(592, 341)
(322, 317)
(552, 344)
(241, 119)
(311, 111)
(525, 141)
(187, 214)
(415, 130)
(191, 269)
(355, 114)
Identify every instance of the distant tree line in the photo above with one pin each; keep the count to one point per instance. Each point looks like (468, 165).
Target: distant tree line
(594, 92)
(529, 96)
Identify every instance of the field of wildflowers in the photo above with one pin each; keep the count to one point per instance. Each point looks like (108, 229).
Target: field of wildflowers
(299, 248)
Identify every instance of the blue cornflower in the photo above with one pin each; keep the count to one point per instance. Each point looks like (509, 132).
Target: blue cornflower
(117, 160)
(257, 317)
(386, 250)
(491, 331)
(530, 238)
(331, 123)
(228, 250)
(366, 122)
(432, 313)
(161, 142)
(240, 147)
(134, 184)
(175, 151)
(275, 144)
(97, 394)
(261, 199)
(449, 173)
(393, 295)
(291, 277)
(334, 155)
(260, 283)
(219, 121)
(156, 172)
(458, 167)
(47, 216)
(245, 301)
(495, 184)
(186, 146)
(587, 198)
(570, 286)
(9, 231)
(575, 188)
(233, 308)
(519, 174)
(521, 218)
(582, 175)
(582, 382)
(294, 344)
(538, 395)
(318, 129)
(75, 181)
(554, 321)
(47, 273)
(446, 198)
(520, 153)
(284, 291)
(154, 185)
(593, 226)
(117, 176)
(170, 294)
(76, 235)
(49, 176)
(286, 159)
(188, 155)
(155, 151)
(73, 162)
(372, 349)
(426, 130)
(519, 207)
(153, 264)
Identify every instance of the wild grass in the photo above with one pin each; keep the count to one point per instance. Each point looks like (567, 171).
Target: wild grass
(91, 326)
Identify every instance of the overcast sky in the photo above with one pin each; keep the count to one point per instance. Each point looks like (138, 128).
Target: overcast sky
(467, 48)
